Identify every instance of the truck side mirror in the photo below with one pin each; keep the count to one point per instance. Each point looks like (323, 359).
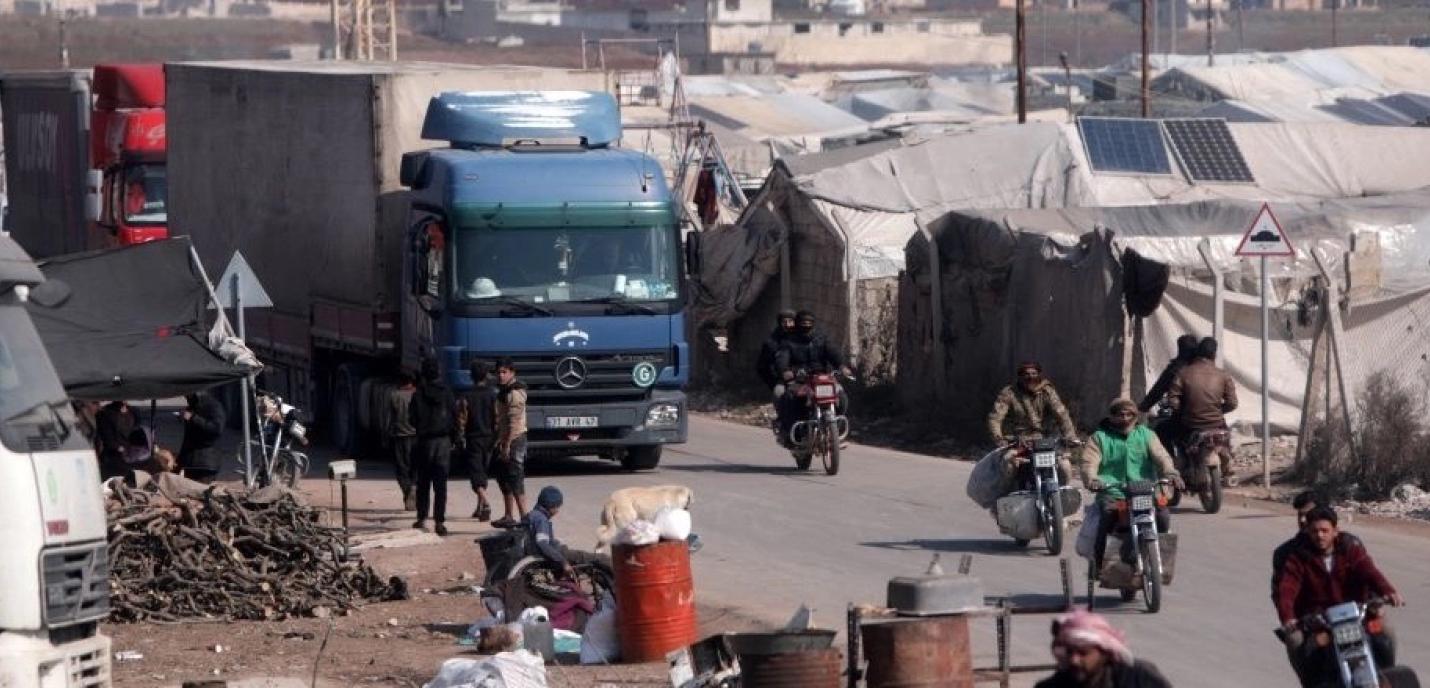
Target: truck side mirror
(692, 254)
(94, 195)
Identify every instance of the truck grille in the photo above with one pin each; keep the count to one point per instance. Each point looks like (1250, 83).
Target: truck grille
(604, 377)
(88, 669)
(76, 583)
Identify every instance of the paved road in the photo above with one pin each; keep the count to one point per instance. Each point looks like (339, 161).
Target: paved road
(776, 538)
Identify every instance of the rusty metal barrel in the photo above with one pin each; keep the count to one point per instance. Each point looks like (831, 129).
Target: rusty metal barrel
(787, 659)
(655, 599)
(925, 652)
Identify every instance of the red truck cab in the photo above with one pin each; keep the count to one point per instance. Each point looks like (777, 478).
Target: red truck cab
(128, 183)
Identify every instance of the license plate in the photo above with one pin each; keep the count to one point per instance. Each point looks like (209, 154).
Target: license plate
(571, 421)
(1044, 460)
(1142, 503)
(824, 391)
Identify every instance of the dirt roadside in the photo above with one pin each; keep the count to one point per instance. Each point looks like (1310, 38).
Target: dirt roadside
(382, 644)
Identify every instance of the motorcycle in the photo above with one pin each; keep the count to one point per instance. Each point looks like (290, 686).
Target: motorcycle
(280, 426)
(1198, 458)
(1345, 631)
(1144, 558)
(823, 429)
(1040, 504)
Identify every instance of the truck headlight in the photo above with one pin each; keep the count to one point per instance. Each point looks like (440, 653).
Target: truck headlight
(663, 416)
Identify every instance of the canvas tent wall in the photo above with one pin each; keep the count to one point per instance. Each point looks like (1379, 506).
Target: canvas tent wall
(986, 289)
(840, 220)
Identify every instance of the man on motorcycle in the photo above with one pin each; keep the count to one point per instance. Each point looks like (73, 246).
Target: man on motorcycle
(1090, 653)
(1119, 452)
(1021, 412)
(1169, 430)
(1323, 569)
(807, 350)
(765, 364)
(1201, 396)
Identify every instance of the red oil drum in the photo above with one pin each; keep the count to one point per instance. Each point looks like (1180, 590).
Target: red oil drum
(655, 599)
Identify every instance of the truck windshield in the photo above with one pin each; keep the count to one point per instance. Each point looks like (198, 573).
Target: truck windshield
(145, 195)
(566, 265)
(34, 413)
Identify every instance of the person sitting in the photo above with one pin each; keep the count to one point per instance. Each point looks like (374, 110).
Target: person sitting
(1122, 451)
(1021, 412)
(805, 351)
(572, 606)
(1090, 653)
(1200, 397)
(1169, 431)
(1325, 568)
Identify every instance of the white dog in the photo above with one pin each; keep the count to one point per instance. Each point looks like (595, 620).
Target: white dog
(629, 504)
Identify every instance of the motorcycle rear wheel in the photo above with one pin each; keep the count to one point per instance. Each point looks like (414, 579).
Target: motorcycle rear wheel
(1152, 576)
(829, 434)
(1211, 493)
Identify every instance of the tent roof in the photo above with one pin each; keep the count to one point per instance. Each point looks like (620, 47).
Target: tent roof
(134, 326)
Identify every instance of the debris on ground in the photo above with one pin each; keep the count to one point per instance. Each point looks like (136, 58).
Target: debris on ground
(181, 550)
(1406, 501)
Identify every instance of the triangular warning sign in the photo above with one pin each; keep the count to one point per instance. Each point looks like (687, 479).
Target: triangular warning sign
(250, 291)
(1265, 237)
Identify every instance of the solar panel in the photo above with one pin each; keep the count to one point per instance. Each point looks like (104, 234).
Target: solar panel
(1207, 151)
(1116, 144)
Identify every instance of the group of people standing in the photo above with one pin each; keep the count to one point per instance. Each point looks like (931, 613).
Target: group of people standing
(425, 423)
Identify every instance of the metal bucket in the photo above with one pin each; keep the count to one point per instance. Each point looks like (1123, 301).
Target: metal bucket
(655, 599)
(931, 652)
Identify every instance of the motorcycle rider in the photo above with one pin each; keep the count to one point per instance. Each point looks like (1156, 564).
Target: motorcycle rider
(1021, 412)
(1200, 397)
(807, 350)
(1304, 503)
(1323, 569)
(1169, 430)
(1090, 653)
(765, 364)
(1119, 452)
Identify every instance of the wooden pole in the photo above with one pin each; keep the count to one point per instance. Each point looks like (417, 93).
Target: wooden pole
(1146, 84)
(1021, 41)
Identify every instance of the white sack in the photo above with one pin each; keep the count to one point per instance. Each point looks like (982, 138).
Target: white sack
(673, 524)
(985, 483)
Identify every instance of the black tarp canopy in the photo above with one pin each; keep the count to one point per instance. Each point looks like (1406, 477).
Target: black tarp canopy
(134, 326)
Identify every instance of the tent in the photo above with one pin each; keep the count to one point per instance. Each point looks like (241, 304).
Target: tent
(1078, 290)
(830, 230)
(135, 324)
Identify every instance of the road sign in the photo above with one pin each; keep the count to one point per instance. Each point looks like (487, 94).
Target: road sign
(250, 291)
(1265, 238)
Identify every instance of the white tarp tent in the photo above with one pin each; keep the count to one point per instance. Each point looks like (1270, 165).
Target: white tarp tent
(1052, 285)
(833, 228)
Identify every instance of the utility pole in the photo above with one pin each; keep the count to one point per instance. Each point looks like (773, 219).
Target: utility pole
(1334, 5)
(337, 29)
(1021, 40)
(1146, 84)
(64, 43)
(1240, 27)
(1174, 27)
(1211, 37)
(1067, 76)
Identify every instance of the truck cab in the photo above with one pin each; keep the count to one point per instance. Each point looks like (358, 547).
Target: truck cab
(54, 577)
(128, 145)
(532, 237)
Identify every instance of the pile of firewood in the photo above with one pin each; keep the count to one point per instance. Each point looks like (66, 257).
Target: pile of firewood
(180, 551)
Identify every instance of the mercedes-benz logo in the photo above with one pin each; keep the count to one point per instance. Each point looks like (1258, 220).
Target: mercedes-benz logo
(570, 372)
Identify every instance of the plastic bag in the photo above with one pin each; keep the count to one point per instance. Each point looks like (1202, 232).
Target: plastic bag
(601, 644)
(1086, 544)
(673, 524)
(985, 483)
(518, 669)
(638, 532)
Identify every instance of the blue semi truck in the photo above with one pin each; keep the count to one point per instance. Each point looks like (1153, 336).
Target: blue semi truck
(527, 233)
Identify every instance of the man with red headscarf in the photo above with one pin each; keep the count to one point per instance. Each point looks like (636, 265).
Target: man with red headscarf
(1090, 653)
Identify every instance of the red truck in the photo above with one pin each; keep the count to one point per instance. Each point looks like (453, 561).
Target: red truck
(85, 157)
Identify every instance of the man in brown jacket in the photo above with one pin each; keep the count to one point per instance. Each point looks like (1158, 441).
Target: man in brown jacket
(1022, 411)
(1201, 396)
(511, 443)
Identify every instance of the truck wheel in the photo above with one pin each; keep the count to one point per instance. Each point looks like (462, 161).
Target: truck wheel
(346, 431)
(641, 458)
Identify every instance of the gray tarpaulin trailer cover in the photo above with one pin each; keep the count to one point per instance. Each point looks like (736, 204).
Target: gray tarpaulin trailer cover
(135, 325)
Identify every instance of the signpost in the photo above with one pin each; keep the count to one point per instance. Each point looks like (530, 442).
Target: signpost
(244, 291)
(1265, 239)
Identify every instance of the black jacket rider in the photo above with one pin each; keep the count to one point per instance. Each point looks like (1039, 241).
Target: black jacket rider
(810, 352)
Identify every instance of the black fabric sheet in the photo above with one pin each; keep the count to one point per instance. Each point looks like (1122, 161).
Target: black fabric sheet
(134, 326)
